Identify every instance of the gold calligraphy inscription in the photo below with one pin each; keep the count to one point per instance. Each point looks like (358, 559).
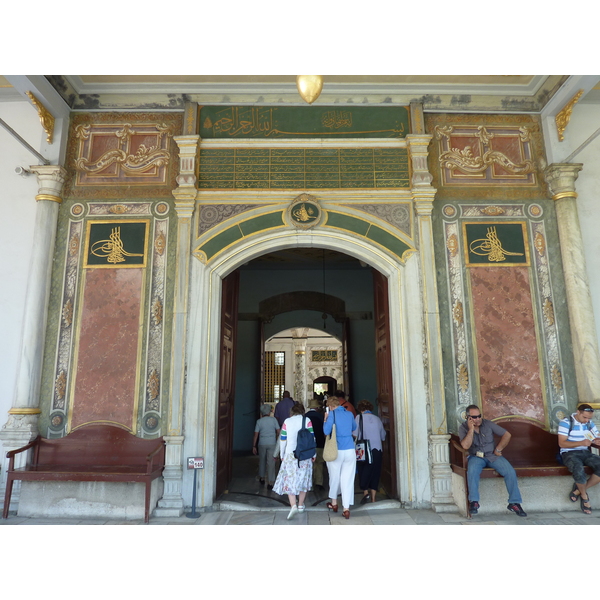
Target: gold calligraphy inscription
(337, 118)
(491, 247)
(324, 355)
(112, 248)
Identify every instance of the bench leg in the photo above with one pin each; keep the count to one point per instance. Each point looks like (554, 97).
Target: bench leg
(9, 487)
(147, 509)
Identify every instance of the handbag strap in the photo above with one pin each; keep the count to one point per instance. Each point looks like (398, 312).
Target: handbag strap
(333, 413)
(361, 434)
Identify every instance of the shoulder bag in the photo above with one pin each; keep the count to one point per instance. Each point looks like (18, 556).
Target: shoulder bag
(330, 451)
(363, 447)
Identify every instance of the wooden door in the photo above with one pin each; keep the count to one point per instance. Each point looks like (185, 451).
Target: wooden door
(385, 399)
(229, 310)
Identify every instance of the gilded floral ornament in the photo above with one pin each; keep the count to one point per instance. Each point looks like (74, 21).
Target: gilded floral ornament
(74, 245)
(442, 131)
(493, 211)
(556, 378)
(153, 384)
(549, 312)
(160, 243)
(564, 116)
(457, 312)
(463, 378)
(452, 245)
(67, 312)
(309, 87)
(60, 385)
(540, 243)
(46, 119)
(118, 209)
(157, 311)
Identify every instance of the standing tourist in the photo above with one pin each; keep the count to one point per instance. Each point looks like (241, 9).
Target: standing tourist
(265, 433)
(369, 427)
(295, 477)
(343, 468)
(282, 410)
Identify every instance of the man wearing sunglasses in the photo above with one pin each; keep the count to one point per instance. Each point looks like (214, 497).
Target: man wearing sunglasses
(477, 436)
(575, 436)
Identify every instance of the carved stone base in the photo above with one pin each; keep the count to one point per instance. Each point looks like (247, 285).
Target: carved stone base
(171, 504)
(441, 473)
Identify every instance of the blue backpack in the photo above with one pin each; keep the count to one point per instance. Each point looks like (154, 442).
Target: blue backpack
(306, 445)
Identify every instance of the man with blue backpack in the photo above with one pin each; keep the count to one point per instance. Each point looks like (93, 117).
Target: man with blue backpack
(576, 434)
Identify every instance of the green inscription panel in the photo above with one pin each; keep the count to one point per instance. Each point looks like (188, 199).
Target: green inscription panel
(304, 168)
(243, 122)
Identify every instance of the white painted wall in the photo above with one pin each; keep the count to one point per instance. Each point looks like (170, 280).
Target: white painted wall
(17, 217)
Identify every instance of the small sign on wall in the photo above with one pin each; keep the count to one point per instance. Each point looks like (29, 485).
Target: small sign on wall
(196, 462)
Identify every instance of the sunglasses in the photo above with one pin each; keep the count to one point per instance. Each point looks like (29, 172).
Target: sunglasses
(474, 416)
(590, 410)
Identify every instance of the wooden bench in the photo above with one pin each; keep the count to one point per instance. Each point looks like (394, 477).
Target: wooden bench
(531, 451)
(91, 453)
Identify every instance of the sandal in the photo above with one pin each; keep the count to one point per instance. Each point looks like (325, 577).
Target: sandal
(573, 496)
(586, 510)
(333, 507)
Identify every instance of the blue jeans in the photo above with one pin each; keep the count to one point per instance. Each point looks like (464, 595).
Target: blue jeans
(502, 466)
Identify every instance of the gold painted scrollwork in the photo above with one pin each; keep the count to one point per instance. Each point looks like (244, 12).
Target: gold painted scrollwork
(493, 211)
(160, 243)
(564, 116)
(60, 385)
(67, 313)
(46, 119)
(466, 162)
(442, 131)
(157, 311)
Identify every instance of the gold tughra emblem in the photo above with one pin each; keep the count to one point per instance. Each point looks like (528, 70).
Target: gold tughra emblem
(112, 248)
(303, 214)
(491, 247)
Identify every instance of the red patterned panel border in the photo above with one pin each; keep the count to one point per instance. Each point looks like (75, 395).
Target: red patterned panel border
(105, 386)
(507, 349)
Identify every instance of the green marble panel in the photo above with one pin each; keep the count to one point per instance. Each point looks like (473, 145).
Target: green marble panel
(262, 222)
(220, 241)
(389, 241)
(347, 222)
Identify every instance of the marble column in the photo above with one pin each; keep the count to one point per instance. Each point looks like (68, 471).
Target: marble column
(171, 504)
(423, 196)
(22, 424)
(560, 178)
(299, 346)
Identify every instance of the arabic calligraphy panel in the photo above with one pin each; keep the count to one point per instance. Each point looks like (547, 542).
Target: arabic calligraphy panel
(490, 244)
(116, 244)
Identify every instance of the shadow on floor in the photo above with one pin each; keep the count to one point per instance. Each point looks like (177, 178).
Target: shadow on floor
(245, 488)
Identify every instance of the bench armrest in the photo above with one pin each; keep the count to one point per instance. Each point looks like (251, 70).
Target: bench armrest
(12, 453)
(457, 451)
(150, 457)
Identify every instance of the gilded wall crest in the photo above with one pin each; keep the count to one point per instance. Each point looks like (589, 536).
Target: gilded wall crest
(304, 212)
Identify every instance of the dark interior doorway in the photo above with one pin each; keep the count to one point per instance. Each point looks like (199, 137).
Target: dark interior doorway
(295, 274)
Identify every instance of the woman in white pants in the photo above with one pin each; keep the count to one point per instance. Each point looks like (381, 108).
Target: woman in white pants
(343, 469)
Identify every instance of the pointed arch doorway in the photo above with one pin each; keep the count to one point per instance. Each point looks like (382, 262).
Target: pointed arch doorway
(408, 420)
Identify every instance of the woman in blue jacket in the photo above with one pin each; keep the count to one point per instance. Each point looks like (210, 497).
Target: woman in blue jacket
(343, 469)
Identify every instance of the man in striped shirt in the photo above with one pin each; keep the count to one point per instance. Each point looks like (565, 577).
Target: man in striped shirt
(575, 436)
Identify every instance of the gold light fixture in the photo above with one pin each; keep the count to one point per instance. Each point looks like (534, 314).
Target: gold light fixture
(309, 87)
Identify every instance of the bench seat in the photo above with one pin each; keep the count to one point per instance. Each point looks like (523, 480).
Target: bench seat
(98, 453)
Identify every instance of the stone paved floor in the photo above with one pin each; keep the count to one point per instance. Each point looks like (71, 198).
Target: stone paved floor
(387, 512)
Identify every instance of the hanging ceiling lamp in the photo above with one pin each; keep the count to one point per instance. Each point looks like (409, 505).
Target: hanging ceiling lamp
(309, 87)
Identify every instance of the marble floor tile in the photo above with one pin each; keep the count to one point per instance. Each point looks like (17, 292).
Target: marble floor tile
(215, 518)
(252, 518)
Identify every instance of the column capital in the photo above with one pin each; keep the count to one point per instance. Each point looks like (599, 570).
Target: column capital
(560, 178)
(50, 179)
(418, 144)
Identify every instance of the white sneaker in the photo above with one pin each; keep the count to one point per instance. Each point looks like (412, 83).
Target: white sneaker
(292, 512)
(301, 509)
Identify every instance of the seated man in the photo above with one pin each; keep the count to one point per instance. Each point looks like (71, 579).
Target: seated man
(477, 436)
(575, 436)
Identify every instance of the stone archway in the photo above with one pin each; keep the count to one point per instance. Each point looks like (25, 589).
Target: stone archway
(406, 327)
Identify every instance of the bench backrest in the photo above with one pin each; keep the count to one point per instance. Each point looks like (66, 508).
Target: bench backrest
(97, 445)
(529, 445)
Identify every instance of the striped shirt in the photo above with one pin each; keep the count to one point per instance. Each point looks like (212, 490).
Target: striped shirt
(578, 432)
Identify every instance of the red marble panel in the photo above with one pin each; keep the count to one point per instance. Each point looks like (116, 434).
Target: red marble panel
(107, 354)
(507, 353)
(512, 147)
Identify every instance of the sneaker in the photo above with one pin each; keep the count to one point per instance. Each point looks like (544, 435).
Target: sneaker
(301, 509)
(292, 512)
(516, 508)
(473, 507)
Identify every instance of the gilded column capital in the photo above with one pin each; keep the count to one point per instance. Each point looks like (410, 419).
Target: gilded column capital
(423, 201)
(560, 178)
(50, 179)
(188, 153)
